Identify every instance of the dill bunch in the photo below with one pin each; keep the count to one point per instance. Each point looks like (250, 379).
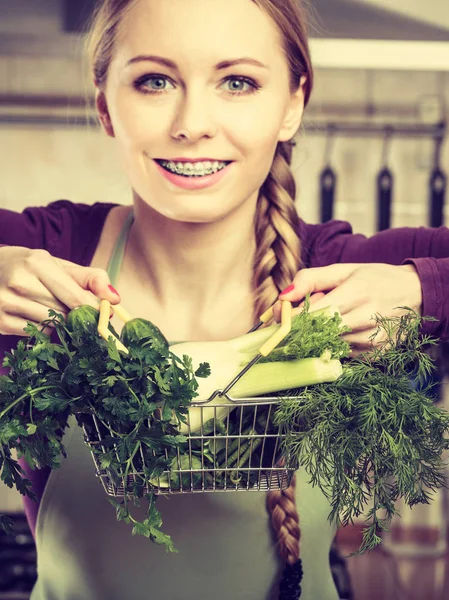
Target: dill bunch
(375, 434)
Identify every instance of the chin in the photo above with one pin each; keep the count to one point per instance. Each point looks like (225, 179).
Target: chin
(189, 209)
(194, 216)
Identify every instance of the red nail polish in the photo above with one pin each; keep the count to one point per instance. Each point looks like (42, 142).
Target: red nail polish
(287, 290)
(113, 290)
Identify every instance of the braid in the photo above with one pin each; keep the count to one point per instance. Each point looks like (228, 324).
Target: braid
(278, 255)
(278, 259)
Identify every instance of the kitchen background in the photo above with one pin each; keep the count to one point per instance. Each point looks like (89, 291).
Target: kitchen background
(372, 150)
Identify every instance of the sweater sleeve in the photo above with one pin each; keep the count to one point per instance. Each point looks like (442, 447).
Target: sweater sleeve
(424, 247)
(67, 230)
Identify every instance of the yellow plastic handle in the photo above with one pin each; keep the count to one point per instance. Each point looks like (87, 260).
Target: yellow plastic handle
(282, 332)
(103, 323)
(267, 315)
(121, 313)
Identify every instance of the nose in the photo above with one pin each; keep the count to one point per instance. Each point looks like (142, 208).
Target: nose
(193, 118)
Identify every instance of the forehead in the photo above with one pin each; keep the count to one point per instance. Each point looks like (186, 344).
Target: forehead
(199, 30)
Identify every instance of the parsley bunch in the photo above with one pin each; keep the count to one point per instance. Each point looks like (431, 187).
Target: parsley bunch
(135, 397)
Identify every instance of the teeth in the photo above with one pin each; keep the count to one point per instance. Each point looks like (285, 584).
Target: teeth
(201, 168)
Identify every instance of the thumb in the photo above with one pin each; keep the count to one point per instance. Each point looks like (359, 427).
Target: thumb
(318, 279)
(93, 279)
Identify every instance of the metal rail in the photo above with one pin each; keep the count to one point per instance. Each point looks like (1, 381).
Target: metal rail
(436, 131)
(418, 130)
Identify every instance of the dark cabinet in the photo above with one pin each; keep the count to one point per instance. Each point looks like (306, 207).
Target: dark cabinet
(17, 561)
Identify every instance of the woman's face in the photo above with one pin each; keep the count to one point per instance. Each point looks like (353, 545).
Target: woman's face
(186, 103)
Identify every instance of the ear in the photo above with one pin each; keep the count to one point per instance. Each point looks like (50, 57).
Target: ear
(293, 115)
(103, 112)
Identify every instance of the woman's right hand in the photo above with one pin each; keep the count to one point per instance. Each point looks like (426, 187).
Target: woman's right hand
(33, 281)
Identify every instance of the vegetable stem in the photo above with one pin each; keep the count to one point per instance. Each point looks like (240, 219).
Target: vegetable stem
(251, 447)
(272, 377)
(23, 396)
(128, 463)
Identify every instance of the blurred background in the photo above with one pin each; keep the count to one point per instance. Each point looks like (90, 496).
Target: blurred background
(372, 150)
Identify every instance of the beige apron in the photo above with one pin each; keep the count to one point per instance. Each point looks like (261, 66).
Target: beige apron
(226, 549)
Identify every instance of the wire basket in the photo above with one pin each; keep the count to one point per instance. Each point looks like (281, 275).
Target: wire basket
(241, 453)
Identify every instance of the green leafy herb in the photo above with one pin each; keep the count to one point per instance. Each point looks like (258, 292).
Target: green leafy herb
(374, 435)
(133, 397)
(312, 333)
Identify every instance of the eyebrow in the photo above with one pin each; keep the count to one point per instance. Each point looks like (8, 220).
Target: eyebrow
(224, 64)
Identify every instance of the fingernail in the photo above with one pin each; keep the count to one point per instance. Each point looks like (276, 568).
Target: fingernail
(113, 290)
(290, 288)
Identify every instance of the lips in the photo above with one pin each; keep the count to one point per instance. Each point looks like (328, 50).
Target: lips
(193, 183)
(193, 160)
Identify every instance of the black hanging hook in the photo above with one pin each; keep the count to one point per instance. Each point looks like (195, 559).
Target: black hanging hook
(328, 179)
(437, 182)
(385, 184)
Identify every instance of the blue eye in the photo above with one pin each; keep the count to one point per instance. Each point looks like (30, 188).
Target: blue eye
(144, 84)
(254, 87)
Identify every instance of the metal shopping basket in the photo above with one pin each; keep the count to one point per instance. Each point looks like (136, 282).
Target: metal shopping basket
(246, 441)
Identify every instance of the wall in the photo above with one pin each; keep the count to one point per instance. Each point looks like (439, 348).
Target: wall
(80, 163)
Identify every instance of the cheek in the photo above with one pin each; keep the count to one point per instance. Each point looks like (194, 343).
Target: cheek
(255, 131)
(255, 127)
(134, 125)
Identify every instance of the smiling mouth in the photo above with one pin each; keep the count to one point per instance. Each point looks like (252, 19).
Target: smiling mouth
(193, 170)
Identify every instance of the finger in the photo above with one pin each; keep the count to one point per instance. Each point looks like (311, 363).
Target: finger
(355, 353)
(59, 282)
(12, 325)
(25, 285)
(30, 310)
(348, 296)
(93, 279)
(318, 279)
(364, 339)
(313, 299)
(360, 319)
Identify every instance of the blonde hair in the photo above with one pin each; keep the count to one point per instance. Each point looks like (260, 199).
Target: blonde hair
(278, 254)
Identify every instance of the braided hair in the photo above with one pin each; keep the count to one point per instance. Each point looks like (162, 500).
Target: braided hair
(278, 258)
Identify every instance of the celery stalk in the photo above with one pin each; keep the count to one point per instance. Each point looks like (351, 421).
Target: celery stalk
(278, 376)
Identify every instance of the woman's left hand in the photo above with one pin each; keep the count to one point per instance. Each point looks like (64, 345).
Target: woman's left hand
(359, 291)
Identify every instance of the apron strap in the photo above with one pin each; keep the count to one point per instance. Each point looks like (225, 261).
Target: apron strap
(115, 262)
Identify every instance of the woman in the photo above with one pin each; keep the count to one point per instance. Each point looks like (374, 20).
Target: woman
(222, 83)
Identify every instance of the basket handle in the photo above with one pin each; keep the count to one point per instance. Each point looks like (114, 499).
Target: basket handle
(282, 332)
(264, 350)
(103, 322)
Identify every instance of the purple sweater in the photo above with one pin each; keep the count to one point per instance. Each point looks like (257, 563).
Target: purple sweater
(72, 231)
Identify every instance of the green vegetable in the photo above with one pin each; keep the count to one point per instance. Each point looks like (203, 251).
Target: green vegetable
(133, 396)
(183, 463)
(83, 319)
(139, 330)
(371, 437)
(273, 377)
(309, 354)
(364, 434)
